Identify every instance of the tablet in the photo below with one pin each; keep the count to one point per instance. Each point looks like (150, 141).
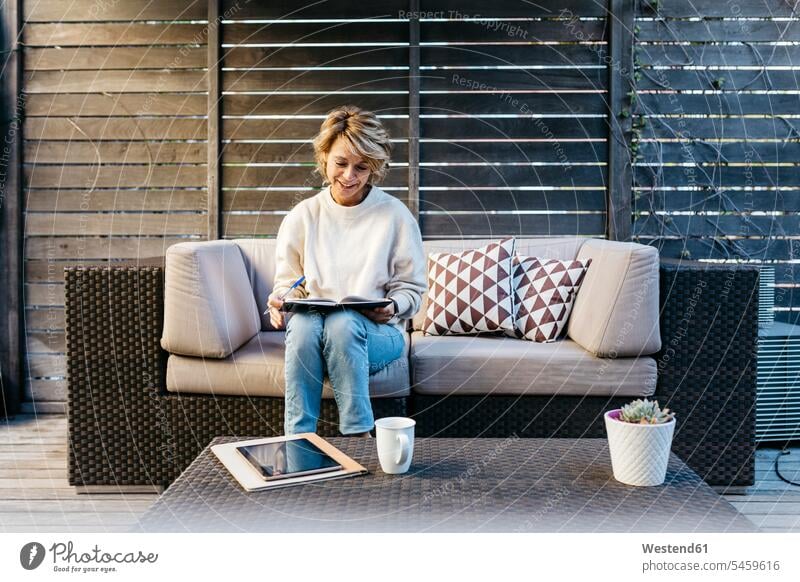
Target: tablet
(292, 458)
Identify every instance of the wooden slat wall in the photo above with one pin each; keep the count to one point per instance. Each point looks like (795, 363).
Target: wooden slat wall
(717, 176)
(114, 152)
(513, 119)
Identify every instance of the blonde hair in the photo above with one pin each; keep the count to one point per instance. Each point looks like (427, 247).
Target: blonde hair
(365, 136)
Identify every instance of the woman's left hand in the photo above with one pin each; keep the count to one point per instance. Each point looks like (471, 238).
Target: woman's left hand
(380, 314)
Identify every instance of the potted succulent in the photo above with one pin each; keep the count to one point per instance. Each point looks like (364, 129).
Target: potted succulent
(639, 439)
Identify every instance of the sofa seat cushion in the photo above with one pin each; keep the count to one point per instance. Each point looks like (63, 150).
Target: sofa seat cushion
(502, 365)
(257, 369)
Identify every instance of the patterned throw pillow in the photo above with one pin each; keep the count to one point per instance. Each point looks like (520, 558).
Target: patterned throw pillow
(545, 291)
(471, 292)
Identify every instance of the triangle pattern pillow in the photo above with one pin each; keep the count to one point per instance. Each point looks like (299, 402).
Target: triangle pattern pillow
(471, 292)
(545, 292)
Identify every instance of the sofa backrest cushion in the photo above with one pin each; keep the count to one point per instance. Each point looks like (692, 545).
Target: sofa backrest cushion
(209, 310)
(551, 248)
(259, 262)
(616, 310)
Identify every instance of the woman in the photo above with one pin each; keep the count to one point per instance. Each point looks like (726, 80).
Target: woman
(350, 239)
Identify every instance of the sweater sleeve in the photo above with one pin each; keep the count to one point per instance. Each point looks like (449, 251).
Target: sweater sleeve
(408, 268)
(289, 256)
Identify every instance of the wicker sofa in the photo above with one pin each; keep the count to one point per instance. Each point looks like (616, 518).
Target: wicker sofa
(138, 415)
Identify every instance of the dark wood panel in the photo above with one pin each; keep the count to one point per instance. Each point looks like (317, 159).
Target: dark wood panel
(106, 58)
(514, 151)
(737, 225)
(124, 81)
(285, 152)
(495, 225)
(515, 8)
(719, 176)
(99, 247)
(141, 223)
(742, 8)
(291, 10)
(509, 200)
(76, 152)
(52, 318)
(286, 177)
(520, 127)
(512, 176)
(264, 201)
(94, 10)
(113, 128)
(721, 128)
(329, 56)
(712, 152)
(116, 34)
(494, 80)
(116, 104)
(500, 102)
(527, 55)
(292, 104)
(247, 225)
(460, 31)
(718, 103)
(721, 248)
(291, 128)
(124, 176)
(680, 79)
(316, 80)
(789, 298)
(171, 199)
(707, 54)
(356, 30)
(718, 30)
(724, 200)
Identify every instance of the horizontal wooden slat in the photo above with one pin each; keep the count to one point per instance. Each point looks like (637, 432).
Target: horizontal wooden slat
(123, 176)
(286, 176)
(354, 30)
(729, 200)
(729, 103)
(329, 56)
(291, 104)
(40, 365)
(719, 30)
(681, 79)
(721, 128)
(539, 79)
(250, 224)
(149, 57)
(117, 200)
(494, 225)
(705, 152)
(116, 104)
(59, 152)
(506, 128)
(51, 295)
(506, 200)
(123, 81)
(263, 201)
(46, 342)
(707, 54)
(38, 408)
(460, 31)
(508, 176)
(513, 151)
(316, 80)
(50, 318)
(720, 248)
(46, 390)
(521, 56)
(113, 128)
(719, 176)
(117, 34)
(292, 128)
(143, 223)
(44, 247)
(285, 152)
(682, 225)
(744, 8)
(290, 10)
(474, 103)
(93, 10)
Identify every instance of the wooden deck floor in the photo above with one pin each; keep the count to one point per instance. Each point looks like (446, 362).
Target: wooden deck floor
(35, 495)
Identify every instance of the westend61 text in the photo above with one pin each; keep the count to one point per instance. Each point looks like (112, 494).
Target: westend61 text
(670, 549)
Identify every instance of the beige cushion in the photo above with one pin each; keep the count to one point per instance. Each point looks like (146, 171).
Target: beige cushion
(551, 248)
(257, 369)
(502, 365)
(259, 262)
(209, 309)
(616, 311)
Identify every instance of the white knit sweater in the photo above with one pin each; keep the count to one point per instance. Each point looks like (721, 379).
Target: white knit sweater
(373, 250)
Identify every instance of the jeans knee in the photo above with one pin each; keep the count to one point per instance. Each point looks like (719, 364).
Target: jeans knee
(304, 329)
(343, 326)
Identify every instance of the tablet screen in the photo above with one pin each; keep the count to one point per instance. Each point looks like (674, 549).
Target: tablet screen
(286, 459)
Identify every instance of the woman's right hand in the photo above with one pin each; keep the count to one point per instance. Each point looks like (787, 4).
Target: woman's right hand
(276, 317)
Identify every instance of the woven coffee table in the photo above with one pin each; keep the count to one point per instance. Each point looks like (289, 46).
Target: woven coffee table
(454, 485)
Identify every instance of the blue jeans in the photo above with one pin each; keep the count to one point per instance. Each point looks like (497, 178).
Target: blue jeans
(346, 345)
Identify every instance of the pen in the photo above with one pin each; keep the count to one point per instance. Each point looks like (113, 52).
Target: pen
(290, 289)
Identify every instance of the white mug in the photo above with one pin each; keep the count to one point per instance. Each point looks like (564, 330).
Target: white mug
(395, 436)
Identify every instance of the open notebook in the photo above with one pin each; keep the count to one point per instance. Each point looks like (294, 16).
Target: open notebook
(326, 305)
(251, 479)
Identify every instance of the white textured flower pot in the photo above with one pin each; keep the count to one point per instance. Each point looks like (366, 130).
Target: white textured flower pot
(639, 452)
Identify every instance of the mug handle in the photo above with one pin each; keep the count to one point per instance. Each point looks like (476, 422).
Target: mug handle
(405, 446)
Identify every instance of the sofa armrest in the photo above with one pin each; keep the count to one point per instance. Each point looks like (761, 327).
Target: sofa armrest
(209, 309)
(119, 422)
(707, 365)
